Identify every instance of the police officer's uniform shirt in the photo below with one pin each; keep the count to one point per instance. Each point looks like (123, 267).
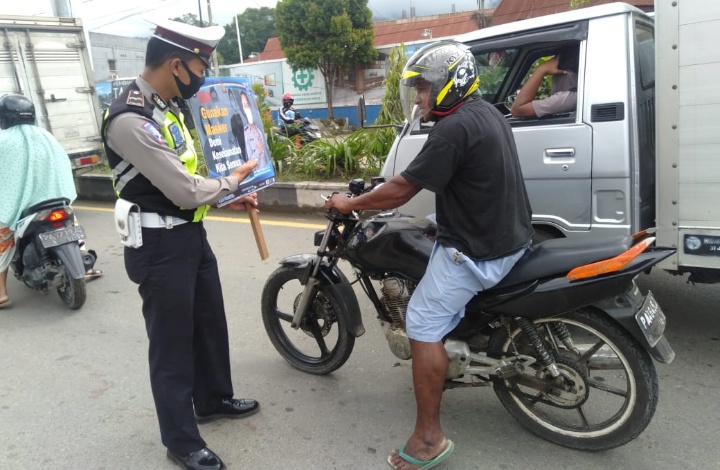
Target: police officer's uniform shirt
(139, 142)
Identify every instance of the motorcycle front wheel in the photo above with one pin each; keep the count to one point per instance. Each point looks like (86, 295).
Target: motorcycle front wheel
(323, 343)
(614, 387)
(72, 291)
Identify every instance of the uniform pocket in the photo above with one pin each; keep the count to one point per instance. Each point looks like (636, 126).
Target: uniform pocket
(139, 260)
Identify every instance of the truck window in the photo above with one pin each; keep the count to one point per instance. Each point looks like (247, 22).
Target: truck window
(493, 67)
(548, 89)
(646, 56)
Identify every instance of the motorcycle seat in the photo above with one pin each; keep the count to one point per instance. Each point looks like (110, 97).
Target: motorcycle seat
(560, 255)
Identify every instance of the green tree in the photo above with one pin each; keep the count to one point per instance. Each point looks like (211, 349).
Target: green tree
(256, 25)
(329, 35)
(578, 3)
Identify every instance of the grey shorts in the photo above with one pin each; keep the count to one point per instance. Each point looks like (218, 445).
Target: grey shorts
(451, 280)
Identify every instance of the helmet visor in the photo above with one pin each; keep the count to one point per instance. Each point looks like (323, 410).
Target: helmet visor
(415, 98)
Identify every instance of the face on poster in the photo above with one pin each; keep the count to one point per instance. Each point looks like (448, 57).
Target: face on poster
(230, 130)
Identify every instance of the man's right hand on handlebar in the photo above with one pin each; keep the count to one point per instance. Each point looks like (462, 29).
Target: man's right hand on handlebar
(339, 202)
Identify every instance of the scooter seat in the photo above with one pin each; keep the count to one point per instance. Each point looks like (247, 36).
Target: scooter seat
(560, 255)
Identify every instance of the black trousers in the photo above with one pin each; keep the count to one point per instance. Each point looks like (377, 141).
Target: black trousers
(178, 280)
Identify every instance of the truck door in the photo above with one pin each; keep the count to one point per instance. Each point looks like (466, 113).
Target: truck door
(555, 153)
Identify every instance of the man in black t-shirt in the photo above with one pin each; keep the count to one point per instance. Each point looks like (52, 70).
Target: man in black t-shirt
(483, 214)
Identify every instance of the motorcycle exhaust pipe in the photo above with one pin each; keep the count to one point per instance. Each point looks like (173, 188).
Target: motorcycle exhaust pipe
(603, 359)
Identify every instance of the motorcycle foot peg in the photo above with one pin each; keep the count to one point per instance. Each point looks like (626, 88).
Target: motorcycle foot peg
(506, 371)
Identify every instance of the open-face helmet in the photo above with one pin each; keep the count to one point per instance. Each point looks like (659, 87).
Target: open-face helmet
(446, 70)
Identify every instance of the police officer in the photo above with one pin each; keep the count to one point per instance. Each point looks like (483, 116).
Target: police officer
(153, 162)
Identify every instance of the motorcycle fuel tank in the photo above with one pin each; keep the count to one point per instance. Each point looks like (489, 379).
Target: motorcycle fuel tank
(392, 243)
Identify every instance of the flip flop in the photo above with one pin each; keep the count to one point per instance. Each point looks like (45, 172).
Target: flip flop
(93, 274)
(5, 303)
(425, 464)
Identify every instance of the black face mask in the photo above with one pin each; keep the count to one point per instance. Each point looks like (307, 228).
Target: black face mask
(187, 91)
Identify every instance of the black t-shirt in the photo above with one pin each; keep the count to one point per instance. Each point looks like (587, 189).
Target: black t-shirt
(470, 162)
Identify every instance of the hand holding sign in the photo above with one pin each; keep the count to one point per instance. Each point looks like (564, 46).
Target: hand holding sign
(244, 170)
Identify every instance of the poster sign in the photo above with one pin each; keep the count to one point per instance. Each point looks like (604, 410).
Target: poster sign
(231, 133)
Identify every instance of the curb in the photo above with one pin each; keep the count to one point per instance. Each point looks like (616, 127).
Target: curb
(298, 197)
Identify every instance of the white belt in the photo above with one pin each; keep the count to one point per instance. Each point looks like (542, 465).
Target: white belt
(154, 220)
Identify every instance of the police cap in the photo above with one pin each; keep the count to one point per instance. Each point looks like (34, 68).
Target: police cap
(200, 41)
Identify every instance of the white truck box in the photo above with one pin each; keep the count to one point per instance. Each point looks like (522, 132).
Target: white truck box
(46, 59)
(688, 131)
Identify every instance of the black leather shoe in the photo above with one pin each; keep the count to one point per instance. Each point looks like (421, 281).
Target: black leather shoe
(203, 459)
(231, 408)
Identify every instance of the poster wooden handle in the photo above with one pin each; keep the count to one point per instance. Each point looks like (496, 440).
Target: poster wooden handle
(257, 231)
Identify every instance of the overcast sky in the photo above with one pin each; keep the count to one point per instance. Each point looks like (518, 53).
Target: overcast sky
(125, 17)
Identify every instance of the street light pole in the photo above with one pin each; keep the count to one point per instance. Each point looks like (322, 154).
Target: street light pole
(216, 67)
(237, 30)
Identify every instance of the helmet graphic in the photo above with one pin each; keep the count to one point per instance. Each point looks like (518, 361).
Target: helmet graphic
(16, 109)
(288, 99)
(448, 69)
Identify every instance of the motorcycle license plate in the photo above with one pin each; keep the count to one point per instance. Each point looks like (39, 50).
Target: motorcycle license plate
(61, 236)
(651, 319)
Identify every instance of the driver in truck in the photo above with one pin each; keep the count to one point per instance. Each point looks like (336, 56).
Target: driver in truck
(483, 215)
(563, 68)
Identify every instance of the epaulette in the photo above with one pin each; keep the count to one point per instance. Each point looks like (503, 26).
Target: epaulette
(135, 98)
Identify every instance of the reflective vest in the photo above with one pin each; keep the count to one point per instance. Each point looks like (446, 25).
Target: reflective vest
(129, 183)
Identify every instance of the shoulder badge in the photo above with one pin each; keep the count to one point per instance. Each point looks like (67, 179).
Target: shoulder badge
(135, 98)
(159, 102)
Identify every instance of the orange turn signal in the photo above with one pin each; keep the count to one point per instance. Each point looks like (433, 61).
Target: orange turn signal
(610, 265)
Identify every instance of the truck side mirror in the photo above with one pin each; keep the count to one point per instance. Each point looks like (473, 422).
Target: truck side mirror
(361, 111)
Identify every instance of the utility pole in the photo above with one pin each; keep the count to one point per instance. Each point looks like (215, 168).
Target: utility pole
(200, 13)
(216, 67)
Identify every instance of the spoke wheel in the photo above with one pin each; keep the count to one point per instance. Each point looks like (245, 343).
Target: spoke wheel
(607, 391)
(323, 343)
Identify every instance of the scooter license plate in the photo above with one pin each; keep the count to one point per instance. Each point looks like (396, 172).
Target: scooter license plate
(61, 236)
(651, 319)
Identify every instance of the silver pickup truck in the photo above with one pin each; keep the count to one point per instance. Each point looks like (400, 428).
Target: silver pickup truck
(642, 147)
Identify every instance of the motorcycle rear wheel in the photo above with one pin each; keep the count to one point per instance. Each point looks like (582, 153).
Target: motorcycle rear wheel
(306, 348)
(615, 377)
(72, 292)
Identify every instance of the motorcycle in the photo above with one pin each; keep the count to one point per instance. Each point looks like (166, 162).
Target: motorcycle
(566, 339)
(48, 254)
(307, 131)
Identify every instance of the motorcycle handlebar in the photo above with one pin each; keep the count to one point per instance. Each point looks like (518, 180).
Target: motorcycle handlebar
(356, 188)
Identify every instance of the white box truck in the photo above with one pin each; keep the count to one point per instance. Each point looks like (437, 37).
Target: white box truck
(642, 147)
(46, 59)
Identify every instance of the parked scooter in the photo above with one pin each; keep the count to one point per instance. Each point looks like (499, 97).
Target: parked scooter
(48, 254)
(305, 128)
(567, 339)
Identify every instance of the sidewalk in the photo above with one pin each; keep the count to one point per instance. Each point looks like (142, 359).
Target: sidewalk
(299, 197)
